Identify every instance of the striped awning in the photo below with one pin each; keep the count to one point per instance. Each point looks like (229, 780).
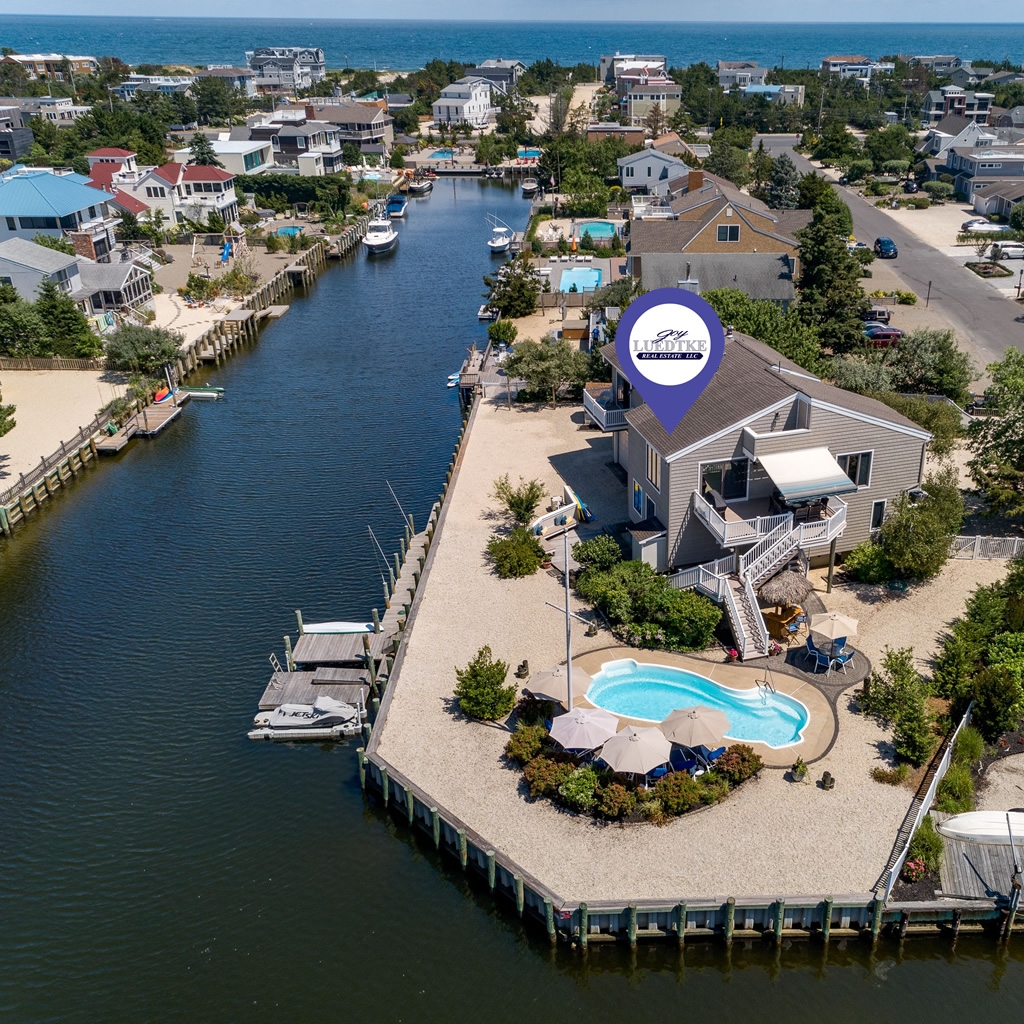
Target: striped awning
(807, 473)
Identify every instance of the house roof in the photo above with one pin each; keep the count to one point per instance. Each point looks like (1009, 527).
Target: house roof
(952, 124)
(856, 58)
(128, 202)
(97, 277)
(751, 378)
(35, 257)
(203, 172)
(170, 172)
(653, 154)
(110, 151)
(1010, 190)
(759, 275)
(224, 73)
(102, 175)
(41, 194)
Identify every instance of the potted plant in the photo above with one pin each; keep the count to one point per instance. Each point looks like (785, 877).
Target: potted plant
(545, 562)
(799, 770)
(732, 654)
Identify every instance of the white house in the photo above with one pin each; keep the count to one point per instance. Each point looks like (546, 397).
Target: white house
(25, 266)
(467, 100)
(740, 73)
(238, 157)
(650, 171)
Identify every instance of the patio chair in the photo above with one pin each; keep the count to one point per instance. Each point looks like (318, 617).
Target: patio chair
(838, 646)
(659, 773)
(821, 659)
(841, 659)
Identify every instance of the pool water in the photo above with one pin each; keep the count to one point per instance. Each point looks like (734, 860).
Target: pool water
(289, 231)
(441, 154)
(599, 229)
(529, 154)
(651, 692)
(586, 279)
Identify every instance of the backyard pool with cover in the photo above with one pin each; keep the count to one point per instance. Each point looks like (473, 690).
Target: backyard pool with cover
(651, 692)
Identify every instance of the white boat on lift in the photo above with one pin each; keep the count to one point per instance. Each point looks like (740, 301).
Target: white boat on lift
(501, 236)
(324, 719)
(381, 235)
(337, 627)
(986, 828)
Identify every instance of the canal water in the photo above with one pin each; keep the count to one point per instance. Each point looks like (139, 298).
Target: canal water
(157, 866)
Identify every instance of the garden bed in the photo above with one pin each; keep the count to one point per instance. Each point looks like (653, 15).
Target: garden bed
(988, 269)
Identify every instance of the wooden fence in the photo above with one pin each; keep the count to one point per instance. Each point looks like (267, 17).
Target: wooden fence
(986, 547)
(56, 363)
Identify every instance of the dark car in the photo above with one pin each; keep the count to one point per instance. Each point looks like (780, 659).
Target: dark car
(885, 248)
(910, 187)
(872, 330)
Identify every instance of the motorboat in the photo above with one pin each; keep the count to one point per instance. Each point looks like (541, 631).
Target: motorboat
(986, 828)
(325, 718)
(397, 205)
(381, 235)
(337, 627)
(453, 379)
(420, 187)
(208, 394)
(501, 236)
(530, 186)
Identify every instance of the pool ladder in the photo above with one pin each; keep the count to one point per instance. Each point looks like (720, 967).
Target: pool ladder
(766, 684)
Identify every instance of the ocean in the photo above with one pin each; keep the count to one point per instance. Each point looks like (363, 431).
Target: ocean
(405, 45)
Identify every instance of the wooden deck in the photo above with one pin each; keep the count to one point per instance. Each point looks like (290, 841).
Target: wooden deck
(313, 649)
(974, 871)
(305, 687)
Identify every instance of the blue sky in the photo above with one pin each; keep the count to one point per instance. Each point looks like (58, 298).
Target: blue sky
(635, 11)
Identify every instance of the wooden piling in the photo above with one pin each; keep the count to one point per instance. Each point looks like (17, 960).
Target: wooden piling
(520, 895)
(289, 659)
(681, 923)
(730, 917)
(491, 871)
(631, 925)
(549, 920)
(410, 805)
(376, 620)
(584, 925)
(463, 848)
(826, 919)
(384, 788)
(435, 827)
(780, 917)
(876, 919)
(361, 757)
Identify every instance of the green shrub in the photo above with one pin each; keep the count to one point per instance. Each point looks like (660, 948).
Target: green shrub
(480, 689)
(891, 776)
(997, 702)
(544, 775)
(739, 763)
(956, 790)
(918, 202)
(600, 552)
(525, 743)
(926, 846)
(201, 289)
(652, 809)
(713, 788)
(914, 736)
(531, 711)
(615, 801)
(519, 554)
(1007, 651)
(507, 332)
(678, 793)
(906, 298)
(578, 792)
(868, 563)
(969, 746)
(519, 502)
(274, 242)
(938, 189)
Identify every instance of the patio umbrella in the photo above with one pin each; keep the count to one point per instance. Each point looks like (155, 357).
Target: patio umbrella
(833, 625)
(551, 684)
(636, 751)
(788, 588)
(695, 727)
(584, 728)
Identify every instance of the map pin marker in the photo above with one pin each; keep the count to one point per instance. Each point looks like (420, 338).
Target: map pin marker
(670, 343)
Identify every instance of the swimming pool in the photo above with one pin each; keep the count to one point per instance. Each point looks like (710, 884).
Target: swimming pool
(651, 692)
(441, 154)
(586, 279)
(599, 229)
(529, 154)
(289, 231)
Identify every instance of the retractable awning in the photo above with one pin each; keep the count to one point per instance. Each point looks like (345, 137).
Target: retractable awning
(808, 473)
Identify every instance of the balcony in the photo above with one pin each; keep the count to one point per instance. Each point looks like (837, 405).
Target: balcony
(600, 405)
(730, 528)
(98, 225)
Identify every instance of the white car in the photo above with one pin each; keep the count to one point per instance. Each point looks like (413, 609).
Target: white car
(1008, 251)
(982, 227)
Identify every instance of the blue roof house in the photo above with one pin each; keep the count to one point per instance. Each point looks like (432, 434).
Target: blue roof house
(41, 202)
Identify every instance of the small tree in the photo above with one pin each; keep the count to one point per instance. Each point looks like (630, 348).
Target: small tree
(60, 244)
(502, 331)
(143, 350)
(69, 331)
(997, 442)
(481, 690)
(514, 292)
(520, 501)
(783, 191)
(547, 366)
(202, 152)
(7, 422)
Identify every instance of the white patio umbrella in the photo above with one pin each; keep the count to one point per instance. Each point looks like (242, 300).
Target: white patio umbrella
(550, 684)
(583, 728)
(695, 727)
(636, 751)
(833, 625)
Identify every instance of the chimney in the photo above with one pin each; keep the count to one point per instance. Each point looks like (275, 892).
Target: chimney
(81, 242)
(695, 181)
(310, 112)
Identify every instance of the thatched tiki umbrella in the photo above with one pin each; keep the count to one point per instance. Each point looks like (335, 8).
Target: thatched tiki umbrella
(787, 589)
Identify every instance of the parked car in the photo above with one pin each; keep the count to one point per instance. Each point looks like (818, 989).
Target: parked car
(910, 187)
(873, 330)
(884, 338)
(980, 226)
(885, 248)
(980, 404)
(881, 314)
(871, 325)
(1008, 251)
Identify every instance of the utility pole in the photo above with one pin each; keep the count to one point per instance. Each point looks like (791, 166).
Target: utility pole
(821, 106)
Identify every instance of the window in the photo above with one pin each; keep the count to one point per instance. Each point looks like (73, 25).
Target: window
(728, 232)
(654, 467)
(6, 280)
(877, 514)
(300, 142)
(638, 499)
(38, 222)
(11, 226)
(728, 478)
(857, 467)
(648, 170)
(652, 509)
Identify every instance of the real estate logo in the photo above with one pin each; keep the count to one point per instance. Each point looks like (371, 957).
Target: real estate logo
(670, 343)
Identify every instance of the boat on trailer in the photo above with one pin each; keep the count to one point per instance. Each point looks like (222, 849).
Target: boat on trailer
(324, 719)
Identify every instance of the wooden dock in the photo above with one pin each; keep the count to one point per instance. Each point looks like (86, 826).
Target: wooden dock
(974, 870)
(304, 687)
(339, 649)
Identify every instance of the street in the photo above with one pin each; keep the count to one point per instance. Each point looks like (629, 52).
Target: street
(984, 320)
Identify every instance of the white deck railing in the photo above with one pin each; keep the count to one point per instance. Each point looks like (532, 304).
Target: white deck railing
(606, 419)
(708, 578)
(986, 547)
(761, 639)
(737, 531)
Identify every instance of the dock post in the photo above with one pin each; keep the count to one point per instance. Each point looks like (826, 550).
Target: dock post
(375, 704)
(298, 619)
(631, 925)
(412, 526)
(584, 925)
(826, 919)
(392, 581)
(398, 566)
(288, 658)
(403, 547)
(681, 924)
(361, 756)
(410, 805)
(463, 848)
(387, 597)
(367, 731)
(549, 920)
(520, 895)
(384, 788)
(408, 537)
(376, 620)
(490, 870)
(876, 919)
(5, 523)
(730, 917)
(956, 923)
(372, 668)
(780, 917)
(435, 827)
(904, 921)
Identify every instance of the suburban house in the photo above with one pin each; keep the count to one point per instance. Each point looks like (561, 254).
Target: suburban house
(672, 144)
(25, 265)
(14, 142)
(856, 66)
(941, 64)
(761, 275)
(286, 69)
(973, 168)
(633, 134)
(781, 95)
(1003, 78)
(61, 205)
(397, 101)
(166, 85)
(59, 109)
(182, 193)
(952, 99)
(1012, 118)
(362, 123)
(237, 156)
(240, 79)
(58, 66)
(740, 73)
(314, 147)
(770, 464)
(999, 197)
(466, 101)
(610, 67)
(640, 93)
(953, 130)
(650, 171)
(835, 65)
(503, 75)
(113, 287)
(968, 75)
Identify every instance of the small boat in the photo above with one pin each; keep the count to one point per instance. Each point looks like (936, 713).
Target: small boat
(163, 395)
(203, 394)
(381, 235)
(397, 205)
(530, 186)
(326, 718)
(453, 379)
(501, 236)
(485, 312)
(986, 828)
(421, 187)
(337, 627)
